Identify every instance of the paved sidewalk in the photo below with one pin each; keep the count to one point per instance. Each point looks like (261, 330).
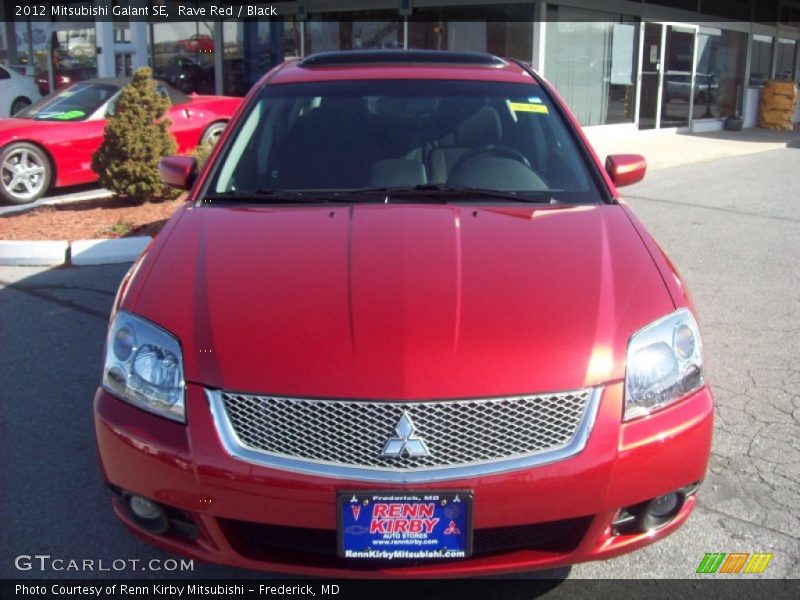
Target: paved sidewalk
(663, 149)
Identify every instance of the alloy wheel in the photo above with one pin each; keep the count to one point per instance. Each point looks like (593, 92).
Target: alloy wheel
(23, 174)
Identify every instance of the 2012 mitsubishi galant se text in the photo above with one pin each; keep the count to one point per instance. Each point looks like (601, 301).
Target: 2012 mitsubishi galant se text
(403, 326)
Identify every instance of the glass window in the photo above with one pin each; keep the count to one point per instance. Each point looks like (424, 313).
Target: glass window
(403, 134)
(360, 30)
(720, 68)
(503, 29)
(784, 61)
(72, 55)
(590, 58)
(760, 59)
(31, 40)
(251, 48)
(74, 103)
(21, 38)
(183, 55)
(324, 36)
(122, 33)
(123, 64)
(797, 66)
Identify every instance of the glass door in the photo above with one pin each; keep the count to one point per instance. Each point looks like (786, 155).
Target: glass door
(650, 79)
(667, 75)
(677, 90)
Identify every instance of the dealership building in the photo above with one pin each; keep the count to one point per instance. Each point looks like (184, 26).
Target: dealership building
(672, 65)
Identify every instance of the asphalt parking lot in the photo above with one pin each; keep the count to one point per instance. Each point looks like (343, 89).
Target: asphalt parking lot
(732, 227)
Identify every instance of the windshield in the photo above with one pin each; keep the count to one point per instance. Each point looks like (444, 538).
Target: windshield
(74, 103)
(395, 134)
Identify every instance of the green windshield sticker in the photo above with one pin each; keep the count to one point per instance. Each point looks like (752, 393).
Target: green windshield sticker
(70, 115)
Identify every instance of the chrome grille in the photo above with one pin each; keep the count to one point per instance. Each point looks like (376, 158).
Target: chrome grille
(352, 434)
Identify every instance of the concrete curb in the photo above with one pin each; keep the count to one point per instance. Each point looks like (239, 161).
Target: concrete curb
(31, 253)
(55, 200)
(49, 252)
(104, 252)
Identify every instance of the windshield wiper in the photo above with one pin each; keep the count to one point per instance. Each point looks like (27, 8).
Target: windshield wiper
(265, 195)
(442, 192)
(439, 193)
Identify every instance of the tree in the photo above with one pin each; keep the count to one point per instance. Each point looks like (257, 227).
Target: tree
(136, 137)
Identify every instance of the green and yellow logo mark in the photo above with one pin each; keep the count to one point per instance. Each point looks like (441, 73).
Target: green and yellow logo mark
(734, 563)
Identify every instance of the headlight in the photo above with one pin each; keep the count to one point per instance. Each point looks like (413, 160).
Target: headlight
(144, 366)
(664, 363)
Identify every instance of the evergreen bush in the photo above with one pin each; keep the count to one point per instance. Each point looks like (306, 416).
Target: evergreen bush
(136, 137)
(201, 154)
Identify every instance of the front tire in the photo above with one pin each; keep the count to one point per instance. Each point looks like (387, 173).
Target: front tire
(19, 104)
(25, 173)
(212, 133)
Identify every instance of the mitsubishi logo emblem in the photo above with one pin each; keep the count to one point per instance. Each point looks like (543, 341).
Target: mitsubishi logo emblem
(405, 441)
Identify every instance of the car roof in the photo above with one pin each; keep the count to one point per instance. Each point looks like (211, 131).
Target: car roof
(175, 96)
(401, 64)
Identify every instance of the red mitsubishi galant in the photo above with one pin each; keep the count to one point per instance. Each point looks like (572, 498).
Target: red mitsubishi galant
(403, 326)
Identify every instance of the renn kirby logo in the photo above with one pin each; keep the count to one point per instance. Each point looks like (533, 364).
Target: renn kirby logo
(734, 563)
(403, 518)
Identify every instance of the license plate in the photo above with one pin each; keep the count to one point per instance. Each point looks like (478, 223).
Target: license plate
(405, 525)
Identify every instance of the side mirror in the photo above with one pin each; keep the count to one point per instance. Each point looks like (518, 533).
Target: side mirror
(625, 169)
(178, 171)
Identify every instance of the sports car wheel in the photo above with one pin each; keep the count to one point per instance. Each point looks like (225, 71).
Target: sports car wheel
(19, 104)
(212, 134)
(25, 173)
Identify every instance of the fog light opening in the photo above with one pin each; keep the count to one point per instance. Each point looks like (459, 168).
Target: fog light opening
(149, 515)
(661, 510)
(652, 514)
(663, 506)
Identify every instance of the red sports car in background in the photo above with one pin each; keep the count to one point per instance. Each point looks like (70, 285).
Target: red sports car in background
(197, 43)
(51, 143)
(405, 326)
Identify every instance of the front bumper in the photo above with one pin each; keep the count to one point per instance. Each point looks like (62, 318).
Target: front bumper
(542, 517)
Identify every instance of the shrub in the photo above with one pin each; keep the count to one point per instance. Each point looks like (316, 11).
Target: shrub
(137, 136)
(201, 154)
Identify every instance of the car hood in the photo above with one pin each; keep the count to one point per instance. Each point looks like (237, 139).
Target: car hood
(400, 301)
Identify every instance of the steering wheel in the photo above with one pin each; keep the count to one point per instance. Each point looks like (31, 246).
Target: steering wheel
(503, 151)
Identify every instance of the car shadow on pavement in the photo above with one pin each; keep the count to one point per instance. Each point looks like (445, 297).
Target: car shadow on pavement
(52, 326)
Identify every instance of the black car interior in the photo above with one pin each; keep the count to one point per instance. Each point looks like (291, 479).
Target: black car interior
(348, 141)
